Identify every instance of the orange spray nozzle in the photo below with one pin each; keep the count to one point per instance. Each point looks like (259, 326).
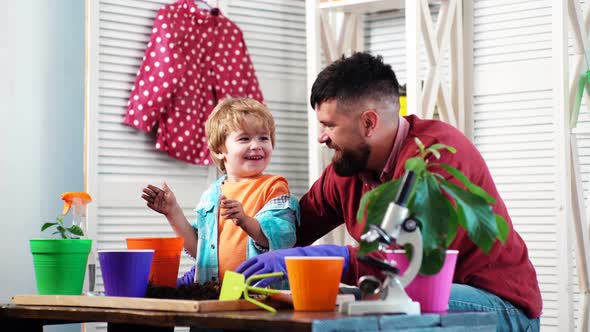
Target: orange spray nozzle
(69, 197)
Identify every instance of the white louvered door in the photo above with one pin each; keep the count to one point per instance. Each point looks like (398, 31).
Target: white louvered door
(275, 34)
(515, 129)
(385, 35)
(122, 160)
(582, 131)
(514, 126)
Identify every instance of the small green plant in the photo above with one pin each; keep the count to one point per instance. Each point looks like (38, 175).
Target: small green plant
(439, 217)
(65, 232)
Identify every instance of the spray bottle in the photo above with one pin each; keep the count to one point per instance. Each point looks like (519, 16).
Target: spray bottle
(79, 201)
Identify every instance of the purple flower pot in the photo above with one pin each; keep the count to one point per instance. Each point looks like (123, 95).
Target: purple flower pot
(125, 272)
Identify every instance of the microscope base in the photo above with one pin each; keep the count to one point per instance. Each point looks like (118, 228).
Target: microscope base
(380, 307)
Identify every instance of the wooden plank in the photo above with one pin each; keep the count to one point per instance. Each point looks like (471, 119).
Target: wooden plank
(133, 303)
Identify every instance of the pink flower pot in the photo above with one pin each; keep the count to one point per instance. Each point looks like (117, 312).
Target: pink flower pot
(432, 292)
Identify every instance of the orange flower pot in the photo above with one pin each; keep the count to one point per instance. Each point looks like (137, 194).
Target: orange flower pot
(314, 281)
(164, 270)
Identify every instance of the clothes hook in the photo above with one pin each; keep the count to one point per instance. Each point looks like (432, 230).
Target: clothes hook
(213, 10)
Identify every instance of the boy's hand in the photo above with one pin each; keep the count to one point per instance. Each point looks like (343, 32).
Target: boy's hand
(232, 209)
(159, 200)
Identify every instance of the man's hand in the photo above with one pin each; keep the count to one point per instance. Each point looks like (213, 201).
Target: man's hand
(188, 278)
(274, 261)
(233, 210)
(160, 200)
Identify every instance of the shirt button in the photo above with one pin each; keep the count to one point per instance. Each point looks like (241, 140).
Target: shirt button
(212, 246)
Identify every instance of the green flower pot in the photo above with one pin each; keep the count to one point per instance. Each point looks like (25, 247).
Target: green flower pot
(60, 265)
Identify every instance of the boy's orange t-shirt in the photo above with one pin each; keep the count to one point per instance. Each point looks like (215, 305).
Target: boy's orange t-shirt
(253, 194)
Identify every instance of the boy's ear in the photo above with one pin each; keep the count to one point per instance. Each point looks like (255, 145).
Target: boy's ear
(219, 155)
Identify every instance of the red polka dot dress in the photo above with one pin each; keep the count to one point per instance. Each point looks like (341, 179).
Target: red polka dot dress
(193, 60)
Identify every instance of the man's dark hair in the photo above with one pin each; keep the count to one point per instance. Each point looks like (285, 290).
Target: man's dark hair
(355, 78)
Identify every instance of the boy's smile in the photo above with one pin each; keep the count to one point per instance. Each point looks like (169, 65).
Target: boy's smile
(255, 157)
(247, 152)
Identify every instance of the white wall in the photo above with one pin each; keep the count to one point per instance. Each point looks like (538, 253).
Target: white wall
(42, 134)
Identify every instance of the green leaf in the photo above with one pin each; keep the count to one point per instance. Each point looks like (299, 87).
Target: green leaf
(468, 184)
(479, 219)
(409, 251)
(434, 149)
(453, 224)
(437, 147)
(375, 202)
(360, 214)
(461, 221)
(47, 225)
(62, 231)
(434, 152)
(419, 143)
(379, 204)
(76, 230)
(503, 229)
(451, 149)
(367, 248)
(417, 165)
(433, 261)
(369, 196)
(430, 208)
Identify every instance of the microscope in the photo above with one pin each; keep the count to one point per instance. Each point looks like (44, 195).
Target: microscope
(400, 229)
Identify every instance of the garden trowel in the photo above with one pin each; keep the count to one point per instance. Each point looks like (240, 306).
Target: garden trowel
(235, 285)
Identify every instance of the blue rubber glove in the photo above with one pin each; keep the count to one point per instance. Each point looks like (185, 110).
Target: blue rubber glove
(187, 279)
(274, 261)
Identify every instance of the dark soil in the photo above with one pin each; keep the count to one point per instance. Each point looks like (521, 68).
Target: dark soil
(207, 291)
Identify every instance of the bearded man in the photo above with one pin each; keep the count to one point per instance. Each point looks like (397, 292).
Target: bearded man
(356, 100)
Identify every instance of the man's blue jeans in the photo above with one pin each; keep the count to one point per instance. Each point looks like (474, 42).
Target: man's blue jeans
(510, 318)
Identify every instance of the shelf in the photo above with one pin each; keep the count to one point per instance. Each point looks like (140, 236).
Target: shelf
(361, 6)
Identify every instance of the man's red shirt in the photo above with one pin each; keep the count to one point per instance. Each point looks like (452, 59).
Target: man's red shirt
(506, 271)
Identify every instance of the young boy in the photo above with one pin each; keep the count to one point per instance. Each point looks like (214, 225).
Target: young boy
(243, 213)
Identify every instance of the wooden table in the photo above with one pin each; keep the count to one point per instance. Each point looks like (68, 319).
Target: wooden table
(33, 318)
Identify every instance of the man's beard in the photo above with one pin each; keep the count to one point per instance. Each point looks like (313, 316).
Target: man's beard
(351, 162)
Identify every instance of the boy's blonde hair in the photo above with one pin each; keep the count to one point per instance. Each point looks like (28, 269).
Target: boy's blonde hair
(230, 115)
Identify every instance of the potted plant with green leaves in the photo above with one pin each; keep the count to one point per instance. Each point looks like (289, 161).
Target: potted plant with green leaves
(440, 207)
(60, 263)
